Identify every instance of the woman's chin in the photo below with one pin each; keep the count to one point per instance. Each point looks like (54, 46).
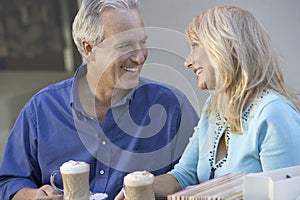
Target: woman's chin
(202, 86)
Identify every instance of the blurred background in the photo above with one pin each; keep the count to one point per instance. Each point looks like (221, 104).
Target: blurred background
(35, 35)
(36, 46)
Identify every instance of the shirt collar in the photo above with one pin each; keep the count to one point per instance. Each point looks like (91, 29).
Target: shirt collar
(74, 101)
(81, 71)
(75, 104)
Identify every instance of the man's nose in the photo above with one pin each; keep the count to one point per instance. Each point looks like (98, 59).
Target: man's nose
(139, 56)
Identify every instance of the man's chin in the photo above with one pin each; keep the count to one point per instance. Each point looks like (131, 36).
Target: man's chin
(129, 84)
(128, 81)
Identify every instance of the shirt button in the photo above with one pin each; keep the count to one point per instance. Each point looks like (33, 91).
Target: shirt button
(101, 172)
(103, 142)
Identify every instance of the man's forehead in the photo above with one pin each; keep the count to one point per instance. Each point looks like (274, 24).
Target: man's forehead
(117, 21)
(129, 35)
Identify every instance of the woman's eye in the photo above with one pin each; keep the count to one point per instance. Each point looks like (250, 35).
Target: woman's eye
(194, 45)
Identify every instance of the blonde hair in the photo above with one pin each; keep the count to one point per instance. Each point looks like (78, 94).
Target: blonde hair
(244, 60)
(87, 24)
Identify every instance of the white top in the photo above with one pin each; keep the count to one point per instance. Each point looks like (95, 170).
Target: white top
(270, 140)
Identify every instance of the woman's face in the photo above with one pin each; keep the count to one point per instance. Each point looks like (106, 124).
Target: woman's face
(199, 62)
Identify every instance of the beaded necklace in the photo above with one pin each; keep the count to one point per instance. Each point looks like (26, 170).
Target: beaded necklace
(217, 136)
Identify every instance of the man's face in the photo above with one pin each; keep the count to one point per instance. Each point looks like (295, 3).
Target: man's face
(118, 60)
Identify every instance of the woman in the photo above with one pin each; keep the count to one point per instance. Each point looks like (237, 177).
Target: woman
(251, 121)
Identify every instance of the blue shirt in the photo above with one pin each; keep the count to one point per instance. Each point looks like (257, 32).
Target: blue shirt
(147, 130)
(270, 140)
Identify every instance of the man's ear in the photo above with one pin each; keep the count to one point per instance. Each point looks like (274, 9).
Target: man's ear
(88, 51)
(87, 47)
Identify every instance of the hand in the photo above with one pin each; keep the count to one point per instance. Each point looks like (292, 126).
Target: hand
(120, 195)
(52, 197)
(44, 192)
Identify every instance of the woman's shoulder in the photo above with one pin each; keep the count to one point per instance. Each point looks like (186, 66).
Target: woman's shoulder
(272, 104)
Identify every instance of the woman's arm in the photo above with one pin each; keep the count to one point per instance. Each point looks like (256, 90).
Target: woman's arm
(165, 184)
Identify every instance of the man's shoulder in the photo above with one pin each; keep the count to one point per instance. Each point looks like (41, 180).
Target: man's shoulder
(56, 87)
(59, 90)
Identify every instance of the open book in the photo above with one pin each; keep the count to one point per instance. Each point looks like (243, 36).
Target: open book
(227, 187)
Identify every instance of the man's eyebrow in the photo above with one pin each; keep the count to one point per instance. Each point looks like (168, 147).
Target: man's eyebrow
(131, 40)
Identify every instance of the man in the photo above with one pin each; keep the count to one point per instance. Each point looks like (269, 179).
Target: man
(106, 115)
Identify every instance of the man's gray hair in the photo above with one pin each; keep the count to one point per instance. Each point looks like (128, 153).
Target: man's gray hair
(87, 24)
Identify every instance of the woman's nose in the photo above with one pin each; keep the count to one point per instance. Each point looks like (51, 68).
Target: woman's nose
(188, 63)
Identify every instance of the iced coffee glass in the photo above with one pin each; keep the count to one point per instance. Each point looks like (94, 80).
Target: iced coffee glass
(138, 185)
(75, 176)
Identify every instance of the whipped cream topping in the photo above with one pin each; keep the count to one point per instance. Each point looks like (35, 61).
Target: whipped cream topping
(73, 167)
(138, 178)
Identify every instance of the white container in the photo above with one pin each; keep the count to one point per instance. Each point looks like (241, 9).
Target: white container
(277, 184)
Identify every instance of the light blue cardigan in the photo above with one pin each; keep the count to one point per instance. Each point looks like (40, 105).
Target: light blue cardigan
(270, 140)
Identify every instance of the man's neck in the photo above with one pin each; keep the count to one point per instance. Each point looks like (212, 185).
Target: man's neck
(97, 101)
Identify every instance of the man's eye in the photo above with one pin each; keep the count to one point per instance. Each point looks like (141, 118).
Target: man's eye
(123, 46)
(143, 43)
